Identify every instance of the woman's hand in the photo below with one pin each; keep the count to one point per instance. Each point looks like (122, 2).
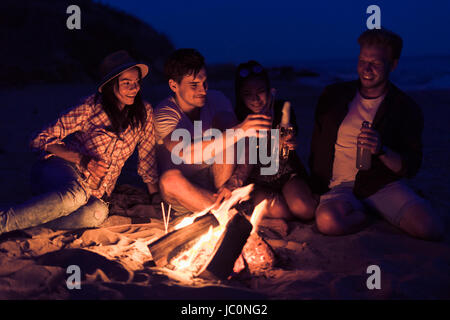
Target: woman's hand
(97, 170)
(288, 138)
(289, 141)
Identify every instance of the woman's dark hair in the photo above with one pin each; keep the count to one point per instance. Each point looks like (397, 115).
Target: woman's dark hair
(134, 115)
(245, 71)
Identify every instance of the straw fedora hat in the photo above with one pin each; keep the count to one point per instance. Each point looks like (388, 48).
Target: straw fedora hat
(116, 63)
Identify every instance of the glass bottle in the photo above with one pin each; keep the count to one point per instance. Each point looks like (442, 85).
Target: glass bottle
(286, 130)
(363, 155)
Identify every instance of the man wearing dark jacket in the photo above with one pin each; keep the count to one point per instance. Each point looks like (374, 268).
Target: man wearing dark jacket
(394, 140)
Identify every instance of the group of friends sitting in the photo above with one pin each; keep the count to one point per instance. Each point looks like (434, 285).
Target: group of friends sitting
(83, 151)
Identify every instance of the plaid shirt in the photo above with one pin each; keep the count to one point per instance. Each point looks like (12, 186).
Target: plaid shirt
(83, 129)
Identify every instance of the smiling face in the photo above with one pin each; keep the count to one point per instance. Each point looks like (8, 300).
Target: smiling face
(254, 93)
(374, 67)
(191, 91)
(127, 87)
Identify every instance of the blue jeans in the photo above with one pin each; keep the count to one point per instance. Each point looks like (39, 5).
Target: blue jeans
(60, 201)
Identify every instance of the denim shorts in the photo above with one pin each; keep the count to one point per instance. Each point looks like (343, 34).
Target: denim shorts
(389, 202)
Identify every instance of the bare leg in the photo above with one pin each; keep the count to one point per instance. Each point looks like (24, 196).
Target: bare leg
(339, 217)
(420, 221)
(299, 199)
(175, 188)
(277, 205)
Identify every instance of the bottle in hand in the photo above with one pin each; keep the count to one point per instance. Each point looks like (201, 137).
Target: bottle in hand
(286, 130)
(363, 155)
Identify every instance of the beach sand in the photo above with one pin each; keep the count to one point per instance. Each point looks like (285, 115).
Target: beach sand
(115, 261)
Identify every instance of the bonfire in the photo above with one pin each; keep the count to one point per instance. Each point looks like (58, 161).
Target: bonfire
(208, 244)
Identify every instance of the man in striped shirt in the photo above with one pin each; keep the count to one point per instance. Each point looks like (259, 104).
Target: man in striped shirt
(190, 185)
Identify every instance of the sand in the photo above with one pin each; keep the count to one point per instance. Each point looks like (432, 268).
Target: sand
(115, 262)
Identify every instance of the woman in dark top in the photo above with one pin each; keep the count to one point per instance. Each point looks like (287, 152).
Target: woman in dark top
(287, 191)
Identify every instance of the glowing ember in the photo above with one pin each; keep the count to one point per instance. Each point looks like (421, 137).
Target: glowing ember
(193, 259)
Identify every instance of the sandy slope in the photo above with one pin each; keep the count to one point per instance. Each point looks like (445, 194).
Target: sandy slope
(115, 260)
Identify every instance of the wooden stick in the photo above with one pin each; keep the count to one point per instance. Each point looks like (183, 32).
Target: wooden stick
(169, 245)
(163, 212)
(168, 217)
(164, 216)
(228, 249)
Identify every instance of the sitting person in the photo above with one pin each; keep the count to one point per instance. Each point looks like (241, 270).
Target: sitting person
(394, 140)
(188, 185)
(287, 191)
(84, 150)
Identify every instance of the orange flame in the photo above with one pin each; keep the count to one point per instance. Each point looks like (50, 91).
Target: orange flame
(192, 260)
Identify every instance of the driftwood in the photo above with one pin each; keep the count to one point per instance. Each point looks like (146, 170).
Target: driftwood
(228, 249)
(171, 244)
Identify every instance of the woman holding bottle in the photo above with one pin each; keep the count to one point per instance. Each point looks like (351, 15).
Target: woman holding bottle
(288, 193)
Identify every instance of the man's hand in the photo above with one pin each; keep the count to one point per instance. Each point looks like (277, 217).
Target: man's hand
(369, 139)
(222, 194)
(256, 122)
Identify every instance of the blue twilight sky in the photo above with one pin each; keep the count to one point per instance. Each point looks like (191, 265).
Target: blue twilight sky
(281, 31)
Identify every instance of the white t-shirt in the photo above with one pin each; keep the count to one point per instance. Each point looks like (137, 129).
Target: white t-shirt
(344, 165)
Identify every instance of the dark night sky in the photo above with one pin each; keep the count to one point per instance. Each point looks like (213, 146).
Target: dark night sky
(283, 31)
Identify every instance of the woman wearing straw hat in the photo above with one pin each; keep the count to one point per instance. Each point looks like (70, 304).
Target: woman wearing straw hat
(84, 150)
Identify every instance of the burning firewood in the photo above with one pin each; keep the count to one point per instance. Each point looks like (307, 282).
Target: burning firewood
(171, 244)
(227, 249)
(205, 253)
(256, 258)
(258, 255)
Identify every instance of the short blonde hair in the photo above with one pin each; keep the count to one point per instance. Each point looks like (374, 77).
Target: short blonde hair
(384, 38)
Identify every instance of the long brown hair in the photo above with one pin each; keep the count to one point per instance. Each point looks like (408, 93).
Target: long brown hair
(134, 115)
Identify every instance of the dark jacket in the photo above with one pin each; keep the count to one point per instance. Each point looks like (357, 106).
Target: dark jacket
(399, 121)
